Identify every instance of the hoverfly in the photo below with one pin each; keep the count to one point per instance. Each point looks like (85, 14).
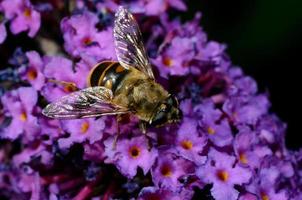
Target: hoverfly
(123, 87)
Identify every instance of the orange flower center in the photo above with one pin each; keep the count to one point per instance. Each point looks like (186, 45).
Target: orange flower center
(23, 117)
(32, 74)
(84, 127)
(134, 152)
(211, 131)
(167, 61)
(87, 41)
(242, 158)
(186, 144)
(264, 196)
(166, 171)
(69, 88)
(27, 12)
(223, 175)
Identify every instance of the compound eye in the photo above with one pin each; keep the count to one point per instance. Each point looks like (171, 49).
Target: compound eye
(172, 101)
(159, 118)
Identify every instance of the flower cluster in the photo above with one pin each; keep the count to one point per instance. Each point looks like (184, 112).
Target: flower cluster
(21, 16)
(227, 146)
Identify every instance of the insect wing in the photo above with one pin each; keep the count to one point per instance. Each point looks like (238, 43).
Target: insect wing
(129, 45)
(89, 102)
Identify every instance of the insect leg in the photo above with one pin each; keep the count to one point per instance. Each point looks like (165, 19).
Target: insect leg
(143, 127)
(118, 119)
(68, 85)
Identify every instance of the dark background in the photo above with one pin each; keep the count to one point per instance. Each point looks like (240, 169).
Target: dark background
(264, 37)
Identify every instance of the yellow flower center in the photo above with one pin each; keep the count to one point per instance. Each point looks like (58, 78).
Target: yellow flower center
(84, 127)
(223, 175)
(134, 151)
(166, 171)
(27, 12)
(211, 131)
(186, 144)
(242, 158)
(32, 74)
(23, 117)
(167, 61)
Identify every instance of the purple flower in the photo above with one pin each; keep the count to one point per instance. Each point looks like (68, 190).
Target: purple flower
(33, 71)
(81, 130)
(246, 109)
(82, 37)
(54, 65)
(30, 183)
(19, 104)
(243, 85)
(264, 185)
(94, 152)
(189, 144)
(36, 152)
(271, 130)
(175, 60)
(149, 193)
(211, 51)
(248, 196)
(223, 174)
(248, 149)
(51, 130)
(214, 126)
(168, 170)
(61, 69)
(133, 153)
(156, 7)
(22, 15)
(181, 48)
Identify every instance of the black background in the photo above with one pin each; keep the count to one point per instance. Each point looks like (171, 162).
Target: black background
(264, 38)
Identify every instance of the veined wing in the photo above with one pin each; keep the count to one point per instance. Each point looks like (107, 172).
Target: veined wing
(129, 45)
(89, 102)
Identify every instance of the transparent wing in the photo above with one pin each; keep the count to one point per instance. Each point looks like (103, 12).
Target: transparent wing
(89, 102)
(129, 45)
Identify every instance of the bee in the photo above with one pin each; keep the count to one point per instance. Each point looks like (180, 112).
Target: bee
(124, 87)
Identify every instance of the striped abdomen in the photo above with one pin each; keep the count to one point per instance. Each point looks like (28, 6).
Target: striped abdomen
(108, 74)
